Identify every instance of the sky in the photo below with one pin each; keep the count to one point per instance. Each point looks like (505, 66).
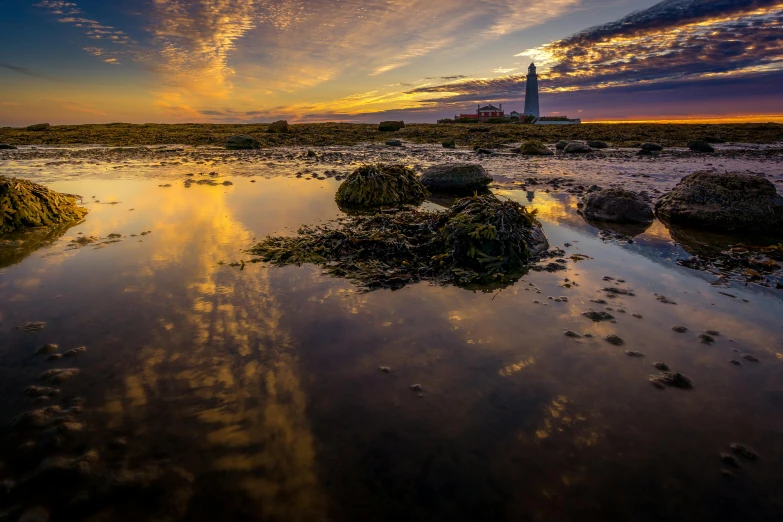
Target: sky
(247, 61)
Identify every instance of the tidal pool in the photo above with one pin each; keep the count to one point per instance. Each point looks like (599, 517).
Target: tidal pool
(216, 392)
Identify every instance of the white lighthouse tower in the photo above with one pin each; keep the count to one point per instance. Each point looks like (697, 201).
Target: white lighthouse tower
(531, 93)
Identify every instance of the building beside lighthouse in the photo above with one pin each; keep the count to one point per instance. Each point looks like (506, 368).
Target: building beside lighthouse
(531, 93)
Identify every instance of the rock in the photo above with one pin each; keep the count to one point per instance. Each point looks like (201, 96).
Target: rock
(651, 147)
(706, 338)
(576, 147)
(723, 201)
(535, 148)
(47, 349)
(749, 357)
(381, 185)
(58, 375)
(278, 127)
(38, 127)
(384, 369)
(616, 205)
(744, 451)
(676, 380)
(615, 340)
(75, 351)
(456, 177)
(729, 460)
(54, 356)
(416, 387)
(662, 366)
(700, 146)
(241, 141)
(24, 204)
(597, 144)
(735, 362)
(569, 333)
(482, 150)
(598, 316)
(391, 126)
(679, 329)
(36, 418)
(645, 153)
(631, 353)
(37, 392)
(562, 144)
(394, 143)
(449, 144)
(5, 146)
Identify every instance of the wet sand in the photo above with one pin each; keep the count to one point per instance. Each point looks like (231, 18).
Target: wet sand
(208, 391)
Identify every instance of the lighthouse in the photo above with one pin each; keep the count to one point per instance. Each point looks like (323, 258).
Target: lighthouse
(531, 93)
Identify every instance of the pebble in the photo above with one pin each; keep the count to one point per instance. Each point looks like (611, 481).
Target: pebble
(384, 369)
(749, 357)
(75, 351)
(679, 329)
(614, 339)
(47, 349)
(744, 451)
(662, 366)
(569, 333)
(706, 338)
(735, 362)
(598, 316)
(638, 316)
(634, 354)
(713, 333)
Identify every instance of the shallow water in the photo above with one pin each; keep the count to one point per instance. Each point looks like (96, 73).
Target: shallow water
(212, 392)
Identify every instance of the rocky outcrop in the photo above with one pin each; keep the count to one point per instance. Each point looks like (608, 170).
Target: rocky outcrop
(25, 204)
(391, 126)
(242, 141)
(597, 144)
(576, 147)
(278, 127)
(617, 206)
(456, 177)
(727, 201)
(38, 127)
(700, 146)
(652, 147)
(535, 148)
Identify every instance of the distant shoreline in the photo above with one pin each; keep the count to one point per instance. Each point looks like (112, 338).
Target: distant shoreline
(330, 134)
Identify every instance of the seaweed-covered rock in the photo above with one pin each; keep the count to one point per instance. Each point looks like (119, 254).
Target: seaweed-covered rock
(38, 127)
(576, 147)
(723, 201)
(456, 177)
(535, 148)
(26, 204)
(700, 146)
(278, 127)
(616, 205)
(391, 126)
(6, 146)
(652, 147)
(242, 141)
(597, 144)
(480, 240)
(381, 185)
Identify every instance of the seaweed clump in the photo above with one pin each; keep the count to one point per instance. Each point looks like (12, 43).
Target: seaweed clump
(479, 241)
(26, 204)
(381, 185)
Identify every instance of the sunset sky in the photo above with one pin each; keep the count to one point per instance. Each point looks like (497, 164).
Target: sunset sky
(96, 61)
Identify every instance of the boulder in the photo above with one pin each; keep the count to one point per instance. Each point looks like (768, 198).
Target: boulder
(242, 141)
(38, 127)
(5, 146)
(576, 147)
(391, 126)
(700, 146)
(562, 144)
(617, 206)
(278, 127)
(597, 144)
(449, 144)
(394, 143)
(723, 201)
(652, 147)
(456, 177)
(535, 148)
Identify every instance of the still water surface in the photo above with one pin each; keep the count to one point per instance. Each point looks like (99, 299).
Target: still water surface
(214, 393)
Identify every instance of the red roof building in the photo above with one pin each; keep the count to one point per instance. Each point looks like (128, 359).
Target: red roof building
(483, 113)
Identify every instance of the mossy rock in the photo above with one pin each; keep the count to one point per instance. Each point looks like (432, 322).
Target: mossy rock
(535, 148)
(25, 204)
(480, 241)
(381, 185)
(391, 126)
